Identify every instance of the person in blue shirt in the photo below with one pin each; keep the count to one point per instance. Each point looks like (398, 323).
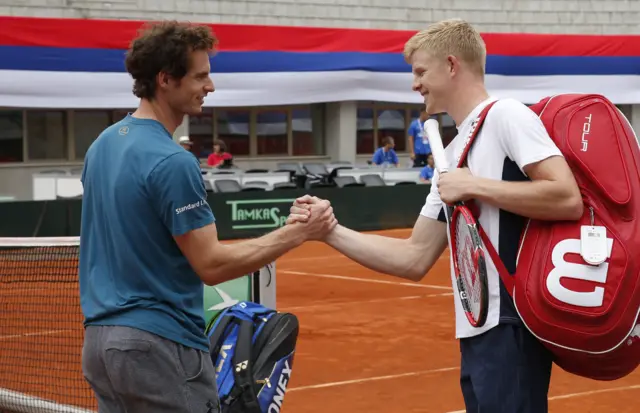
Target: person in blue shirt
(385, 155)
(417, 141)
(427, 171)
(148, 240)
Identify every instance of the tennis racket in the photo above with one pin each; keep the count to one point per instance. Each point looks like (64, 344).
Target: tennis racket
(469, 262)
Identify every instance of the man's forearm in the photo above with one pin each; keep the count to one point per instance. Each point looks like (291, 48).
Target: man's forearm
(231, 261)
(387, 255)
(540, 199)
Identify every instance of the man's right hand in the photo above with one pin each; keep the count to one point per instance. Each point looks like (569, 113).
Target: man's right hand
(315, 215)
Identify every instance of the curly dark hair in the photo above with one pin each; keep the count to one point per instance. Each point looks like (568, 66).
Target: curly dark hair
(164, 47)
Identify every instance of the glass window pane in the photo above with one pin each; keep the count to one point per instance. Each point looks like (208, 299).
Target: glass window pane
(233, 130)
(120, 114)
(308, 134)
(11, 136)
(364, 139)
(201, 133)
(391, 122)
(46, 135)
(87, 126)
(271, 131)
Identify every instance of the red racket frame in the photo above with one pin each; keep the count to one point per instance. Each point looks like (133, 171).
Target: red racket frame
(478, 260)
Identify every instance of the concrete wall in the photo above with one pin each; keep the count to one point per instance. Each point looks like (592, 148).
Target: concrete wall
(535, 16)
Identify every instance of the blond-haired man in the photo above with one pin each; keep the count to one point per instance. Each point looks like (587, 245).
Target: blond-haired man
(514, 171)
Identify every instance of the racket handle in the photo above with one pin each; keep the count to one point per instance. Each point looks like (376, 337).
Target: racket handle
(432, 129)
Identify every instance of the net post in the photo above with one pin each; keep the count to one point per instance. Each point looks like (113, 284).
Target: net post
(264, 286)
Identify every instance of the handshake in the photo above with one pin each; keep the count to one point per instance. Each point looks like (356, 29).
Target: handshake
(314, 217)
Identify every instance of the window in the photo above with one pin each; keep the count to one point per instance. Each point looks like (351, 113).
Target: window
(391, 122)
(61, 135)
(272, 133)
(11, 136)
(232, 127)
(46, 135)
(365, 142)
(87, 126)
(201, 133)
(307, 126)
(379, 119)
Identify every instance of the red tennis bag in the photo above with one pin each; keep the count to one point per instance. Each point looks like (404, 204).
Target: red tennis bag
(587, 315)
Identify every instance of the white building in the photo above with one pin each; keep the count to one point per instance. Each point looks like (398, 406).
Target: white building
(299, 86)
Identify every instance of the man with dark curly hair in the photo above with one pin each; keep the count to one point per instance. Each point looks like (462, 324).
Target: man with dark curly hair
(148, 239)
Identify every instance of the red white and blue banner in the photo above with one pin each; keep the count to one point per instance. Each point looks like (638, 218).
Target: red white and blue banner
(77, 63)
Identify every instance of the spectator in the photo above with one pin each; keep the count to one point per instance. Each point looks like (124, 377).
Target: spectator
(427, 172)
(186, 143)
(220, 155)
(386, 154)
(417, 141)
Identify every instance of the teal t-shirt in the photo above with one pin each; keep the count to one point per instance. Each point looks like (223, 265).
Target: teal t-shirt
(140, 189)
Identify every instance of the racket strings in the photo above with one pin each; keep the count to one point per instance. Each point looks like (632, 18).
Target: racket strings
(469, 276)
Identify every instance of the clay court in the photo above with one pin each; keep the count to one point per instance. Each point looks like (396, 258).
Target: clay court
(368, 342)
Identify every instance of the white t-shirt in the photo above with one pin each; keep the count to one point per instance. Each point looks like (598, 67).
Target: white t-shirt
(511, 137)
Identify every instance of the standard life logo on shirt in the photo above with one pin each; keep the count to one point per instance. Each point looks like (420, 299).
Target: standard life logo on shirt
(259, 213)
(188, 207)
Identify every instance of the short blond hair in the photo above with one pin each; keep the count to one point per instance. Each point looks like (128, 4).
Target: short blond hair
(450, 37)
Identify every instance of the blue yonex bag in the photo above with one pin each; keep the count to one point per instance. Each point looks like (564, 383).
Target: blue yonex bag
(252, 349)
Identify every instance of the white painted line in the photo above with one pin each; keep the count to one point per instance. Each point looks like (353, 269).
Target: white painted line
(379, 300)
(342, 277)
(588, 393)
(368, 379)
(581, 394)
(331, 262)
(387, 231)
(287, 260)
(36, 333)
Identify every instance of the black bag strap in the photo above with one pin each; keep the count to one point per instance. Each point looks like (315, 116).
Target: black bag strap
(243, 368)
(218, 332)
(264, 335)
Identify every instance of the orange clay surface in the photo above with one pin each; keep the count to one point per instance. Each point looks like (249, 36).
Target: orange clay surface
(369, 343)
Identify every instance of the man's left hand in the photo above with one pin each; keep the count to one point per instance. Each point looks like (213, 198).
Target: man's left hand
(456, 185)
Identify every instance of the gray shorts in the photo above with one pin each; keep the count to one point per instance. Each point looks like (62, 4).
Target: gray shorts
(131, 370)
